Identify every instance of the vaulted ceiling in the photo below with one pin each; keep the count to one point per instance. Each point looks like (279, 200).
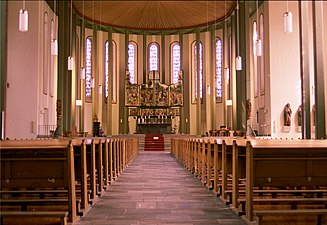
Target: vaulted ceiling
(154, 15)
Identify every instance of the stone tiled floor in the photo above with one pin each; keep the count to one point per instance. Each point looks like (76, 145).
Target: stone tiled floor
(156, 189)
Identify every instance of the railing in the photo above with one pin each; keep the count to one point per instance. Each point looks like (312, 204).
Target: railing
(46, 131)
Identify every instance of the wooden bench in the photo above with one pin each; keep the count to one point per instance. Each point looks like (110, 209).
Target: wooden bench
(40, 164)
(321, 213)
(279, 163)
(23, 203)
(293, 202)
(22, 214)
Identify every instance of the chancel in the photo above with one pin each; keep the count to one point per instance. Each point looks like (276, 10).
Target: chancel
(164, 104)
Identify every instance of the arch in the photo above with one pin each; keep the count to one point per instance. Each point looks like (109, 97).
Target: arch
(132, 61)
(153, 56)
(175, 62)
(194, 71)
(218, 72)
(88, 69)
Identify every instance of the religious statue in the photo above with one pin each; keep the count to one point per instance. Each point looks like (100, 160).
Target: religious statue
(248, 109)
(287, 115)
(299, 116)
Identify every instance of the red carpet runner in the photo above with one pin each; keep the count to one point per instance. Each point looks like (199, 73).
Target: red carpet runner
(154, 142)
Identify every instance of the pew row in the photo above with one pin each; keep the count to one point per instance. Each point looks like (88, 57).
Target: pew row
(248, 172)
(65, 172)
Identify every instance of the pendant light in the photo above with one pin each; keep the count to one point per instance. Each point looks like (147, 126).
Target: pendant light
(54, 42)
(288, 23)
(82, 71)
(238, 60)
(70, 58)
(226, 70)
(23, 19)
(258, 45)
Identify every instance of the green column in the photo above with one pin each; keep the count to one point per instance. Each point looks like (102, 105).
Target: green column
(318, 41)
(240, 120)
(163, 72)
(198, 98)
(63, 53)
(305, 70)
(3, 56)
(144, 57)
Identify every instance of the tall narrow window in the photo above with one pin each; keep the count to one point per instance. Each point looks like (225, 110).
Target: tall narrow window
(218, 70)
(132, 62)
(106, 71)
(175, 61)
(88, 69)
(153, 57)
(195, 70)
(262, 65)
(255, 61)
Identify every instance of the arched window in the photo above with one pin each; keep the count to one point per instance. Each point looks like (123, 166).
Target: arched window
(153, 56)
(255, 61)
(262, 65)
(132, 62)
(106, 72)
(194, 69)
(88, 69)
(219, 54)
(175, 61)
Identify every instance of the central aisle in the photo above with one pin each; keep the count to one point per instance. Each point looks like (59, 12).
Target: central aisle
(156, 189)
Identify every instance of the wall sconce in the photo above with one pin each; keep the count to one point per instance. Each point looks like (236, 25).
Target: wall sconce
(208, 89)
(82, 75)
(79, 102)
(238, 63)
(100, 89)
(54, 47)
(23, 19)
(258, 47)
(226, 70)
(70, 63)
(92, 83)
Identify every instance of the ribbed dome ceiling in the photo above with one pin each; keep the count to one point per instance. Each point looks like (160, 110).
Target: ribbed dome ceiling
(154, 15)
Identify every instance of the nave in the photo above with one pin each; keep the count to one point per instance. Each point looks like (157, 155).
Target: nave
(156, 189)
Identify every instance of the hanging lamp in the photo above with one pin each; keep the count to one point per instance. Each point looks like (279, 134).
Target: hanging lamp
(288, 22)
(54, 42)
(258, 45)
(70, 58)
(82, 71)
(23, 19)
(238, 60)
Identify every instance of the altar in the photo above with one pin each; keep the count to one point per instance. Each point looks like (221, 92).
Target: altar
(154, 105)
(153, 128)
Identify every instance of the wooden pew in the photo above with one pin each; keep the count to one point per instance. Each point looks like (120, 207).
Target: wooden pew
(278, 163)
(47, 214)
(39, 164)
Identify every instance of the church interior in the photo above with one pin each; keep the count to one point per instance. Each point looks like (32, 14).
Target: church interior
(231, 94)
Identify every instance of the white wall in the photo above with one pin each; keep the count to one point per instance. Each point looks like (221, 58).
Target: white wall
(284, 71)
(27, 105)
